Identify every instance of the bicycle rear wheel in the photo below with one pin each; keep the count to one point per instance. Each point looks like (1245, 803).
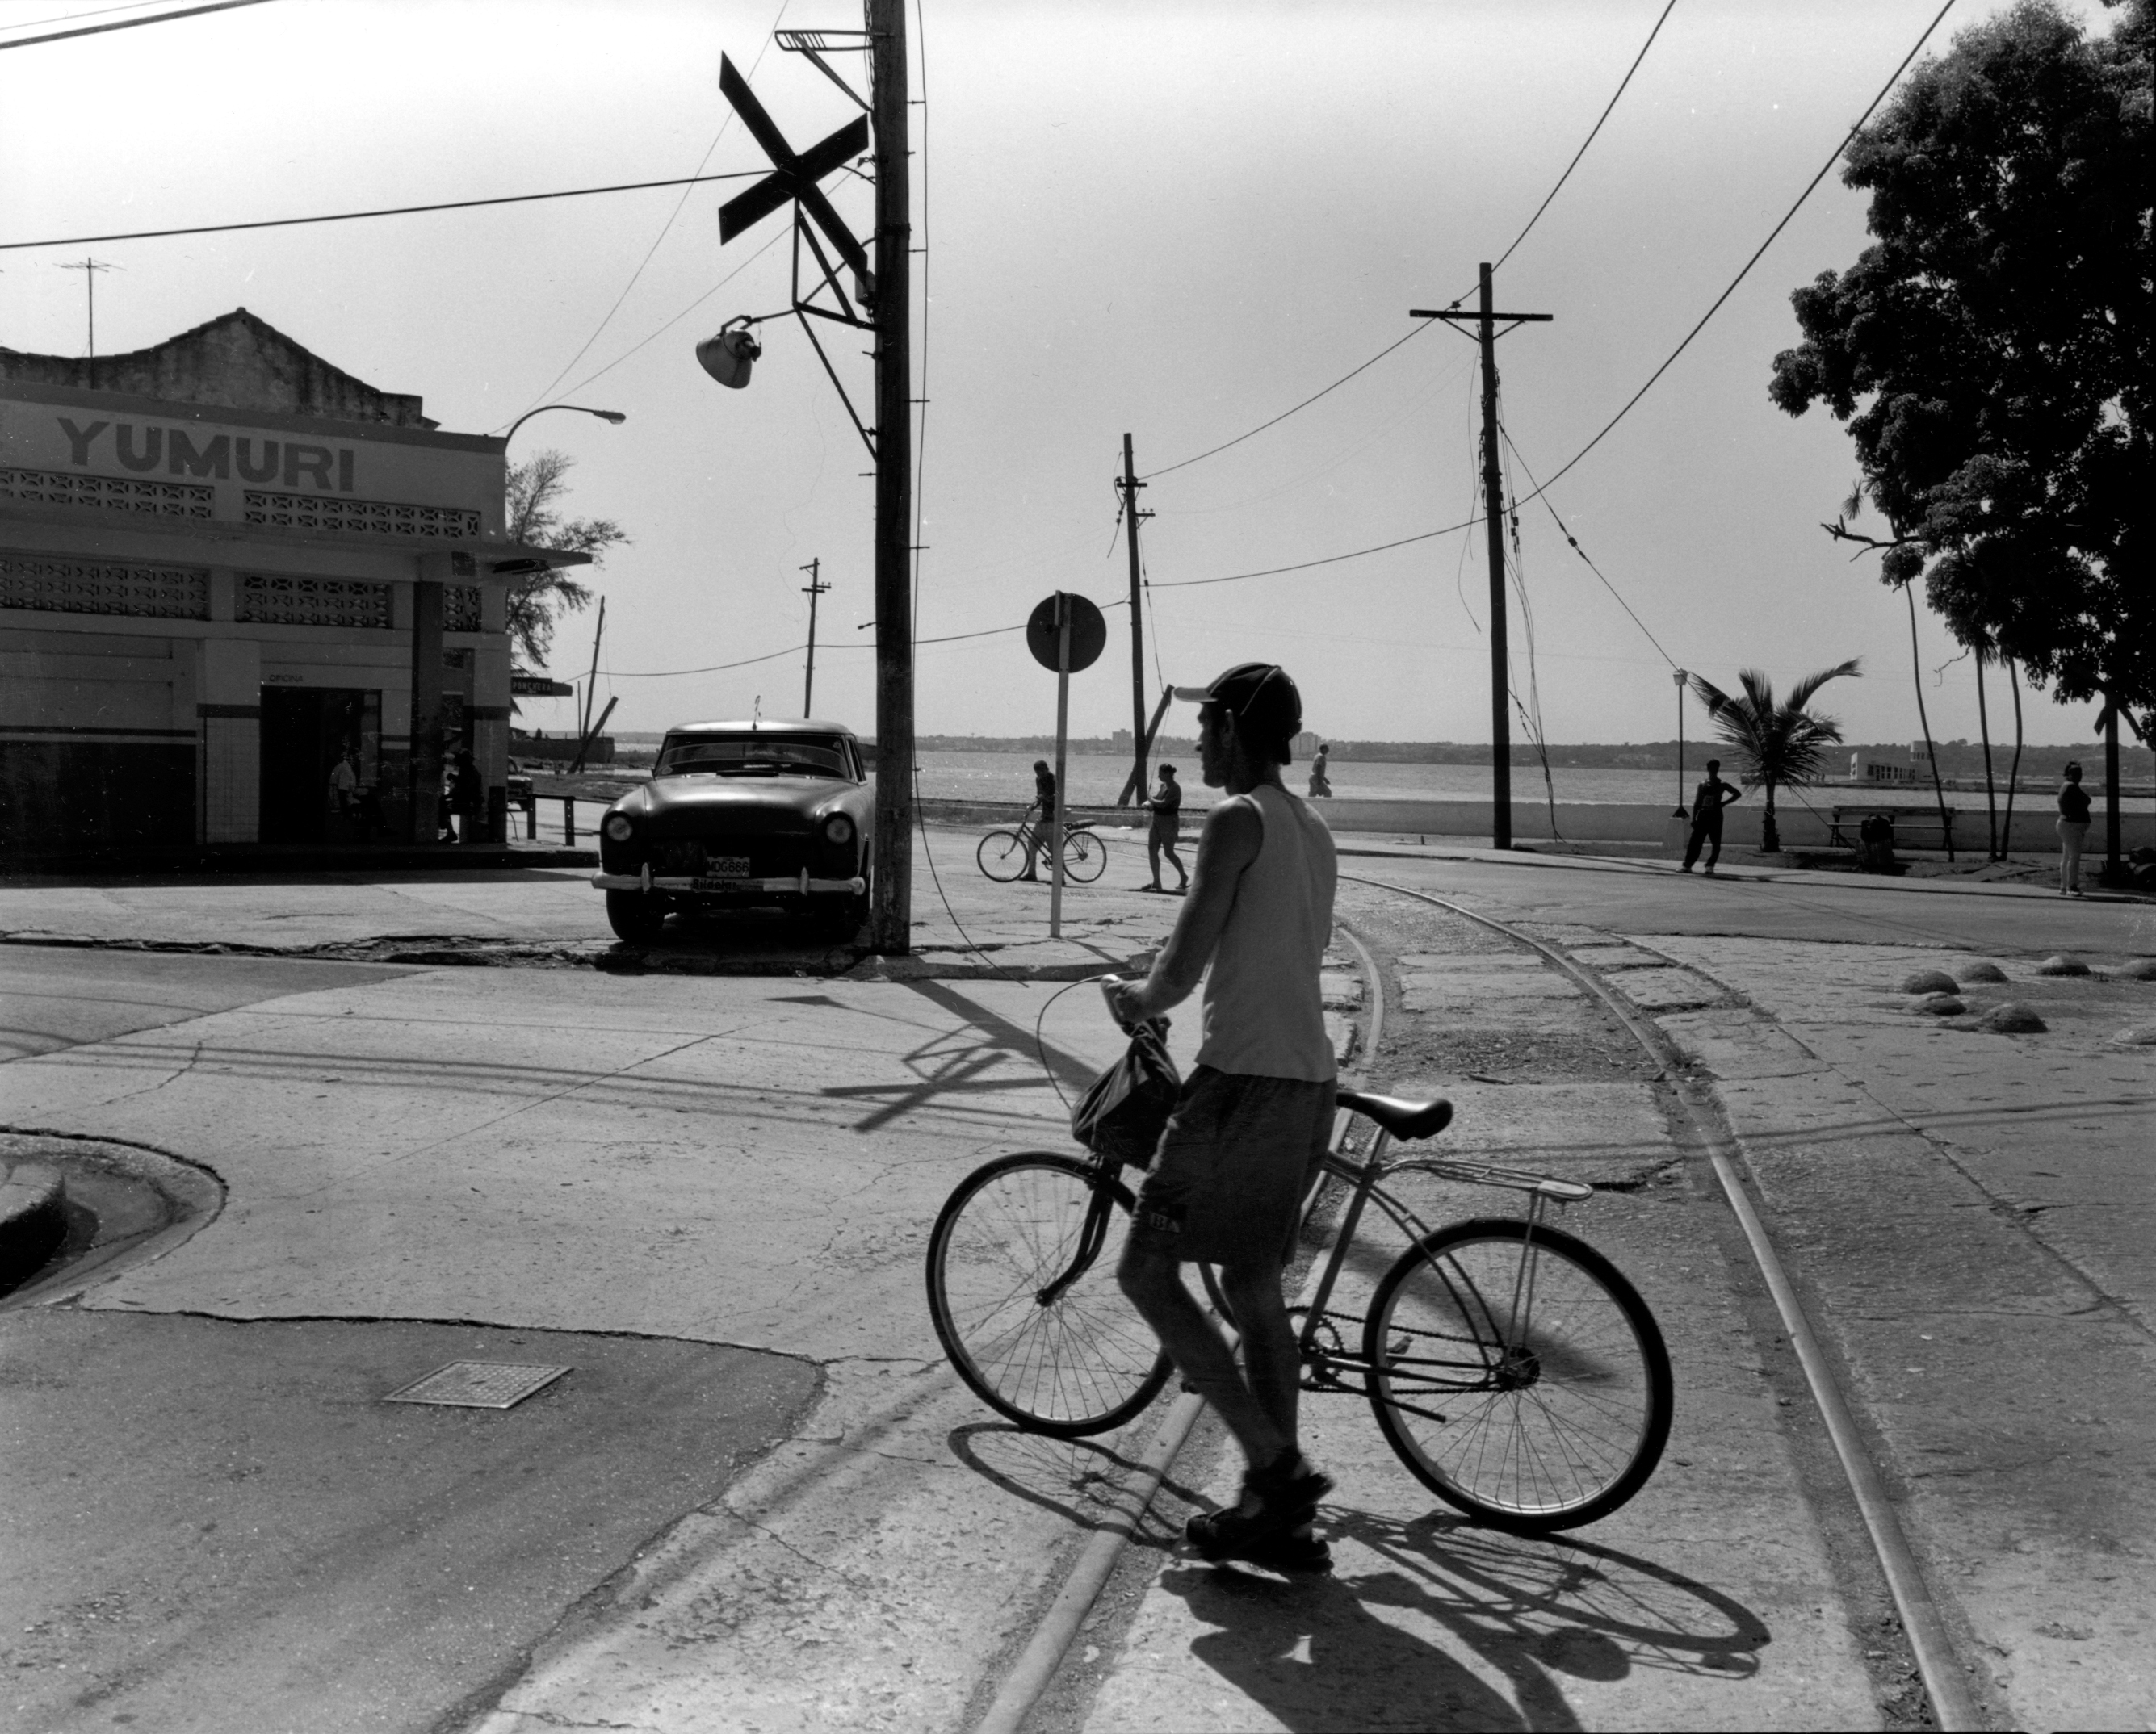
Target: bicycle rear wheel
(1528, 1385)
(1084, 855)
(1057, 1354)
(1003, 855)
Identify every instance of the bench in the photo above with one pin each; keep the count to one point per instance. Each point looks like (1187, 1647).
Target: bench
(1914, 828)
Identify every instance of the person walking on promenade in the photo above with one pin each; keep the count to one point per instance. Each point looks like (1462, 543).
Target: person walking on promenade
(2073, 829)
(1252, 1123)
(1321, 785)
(1044, 801)
(1713, 795)
(1163, 830)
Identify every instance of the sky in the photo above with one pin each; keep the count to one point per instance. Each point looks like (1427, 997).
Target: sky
(1170, 220)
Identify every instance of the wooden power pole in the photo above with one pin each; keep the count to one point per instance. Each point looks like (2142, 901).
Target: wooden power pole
(814, 588)
(1140, 739)
(890, 916)
(1493, 510)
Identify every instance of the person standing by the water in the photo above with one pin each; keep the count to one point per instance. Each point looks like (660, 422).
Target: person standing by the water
(1166, 806)
(2073, 829)
(1321, 785)
(1714, 794)
(1043, 825)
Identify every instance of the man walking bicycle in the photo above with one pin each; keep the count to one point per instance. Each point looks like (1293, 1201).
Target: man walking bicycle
(1252, 1123)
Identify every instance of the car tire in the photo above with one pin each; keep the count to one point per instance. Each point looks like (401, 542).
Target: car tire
(637, 917)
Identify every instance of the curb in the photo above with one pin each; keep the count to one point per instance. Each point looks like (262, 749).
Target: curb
(32, 1218)
(1813, 877)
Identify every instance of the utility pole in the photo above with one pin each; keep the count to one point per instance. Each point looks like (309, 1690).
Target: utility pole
(891, 915)
(90, 268)
(1130, 486)
(1493, 511)
(814, 588)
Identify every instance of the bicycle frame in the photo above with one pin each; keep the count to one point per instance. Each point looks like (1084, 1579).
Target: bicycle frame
(1332, 1370)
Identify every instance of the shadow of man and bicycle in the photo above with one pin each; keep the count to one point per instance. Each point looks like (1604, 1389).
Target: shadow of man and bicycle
(1423, 1618)
(1391, 1648)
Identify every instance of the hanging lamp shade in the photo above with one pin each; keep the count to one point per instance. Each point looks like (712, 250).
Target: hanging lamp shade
(728, 356)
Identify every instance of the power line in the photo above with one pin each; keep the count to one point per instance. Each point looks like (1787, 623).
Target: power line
(1590, 140)
(1522, 235)
(778, 235)
(665, 229)
(1186, 463)
(1304, 565)
(162, 17)
(76, 17)
(454, 204)
(1541, 494)
(1746, 270)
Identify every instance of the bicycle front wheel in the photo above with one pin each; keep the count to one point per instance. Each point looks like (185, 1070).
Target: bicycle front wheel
(1084, 856)
(1003, 855)
(1522, 1380)
(1022, 1289)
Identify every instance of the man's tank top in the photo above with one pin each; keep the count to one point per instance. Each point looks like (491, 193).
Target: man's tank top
(1263, 1016)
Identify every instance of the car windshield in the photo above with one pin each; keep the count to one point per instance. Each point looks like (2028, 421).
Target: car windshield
(756, 755)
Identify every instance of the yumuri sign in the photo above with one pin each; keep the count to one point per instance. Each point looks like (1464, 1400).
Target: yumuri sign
(148, 449)
(347, 462)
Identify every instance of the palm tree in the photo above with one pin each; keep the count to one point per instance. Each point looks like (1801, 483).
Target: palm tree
(1775, 743)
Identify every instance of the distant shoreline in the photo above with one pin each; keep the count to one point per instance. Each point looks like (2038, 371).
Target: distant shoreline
(1959, 761)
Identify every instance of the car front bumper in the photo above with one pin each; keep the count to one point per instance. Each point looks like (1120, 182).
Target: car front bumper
(800, 884)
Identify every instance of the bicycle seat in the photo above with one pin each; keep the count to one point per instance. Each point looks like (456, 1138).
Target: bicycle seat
(1399, 1116)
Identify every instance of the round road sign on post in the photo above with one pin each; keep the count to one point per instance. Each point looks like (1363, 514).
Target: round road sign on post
(1089, 632)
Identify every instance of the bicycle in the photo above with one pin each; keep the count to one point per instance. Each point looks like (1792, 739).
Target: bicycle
(1511, 1366)
(1004, 854)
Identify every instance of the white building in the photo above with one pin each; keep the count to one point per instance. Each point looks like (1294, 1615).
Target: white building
(223, 565)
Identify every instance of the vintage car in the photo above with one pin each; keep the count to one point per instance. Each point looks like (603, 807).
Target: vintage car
(738, 815)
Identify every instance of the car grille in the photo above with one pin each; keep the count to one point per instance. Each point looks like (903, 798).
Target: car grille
(768, 857)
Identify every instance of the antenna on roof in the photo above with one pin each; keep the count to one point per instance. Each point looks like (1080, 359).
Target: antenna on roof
(90, 268)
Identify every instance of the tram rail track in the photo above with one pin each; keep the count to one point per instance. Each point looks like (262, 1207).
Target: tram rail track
(1944, 1679)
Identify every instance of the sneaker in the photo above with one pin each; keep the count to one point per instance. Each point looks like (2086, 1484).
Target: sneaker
(1276, 1501)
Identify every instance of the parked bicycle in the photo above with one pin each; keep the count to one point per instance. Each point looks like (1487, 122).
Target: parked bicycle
(1004, 854)
(1513, 1369)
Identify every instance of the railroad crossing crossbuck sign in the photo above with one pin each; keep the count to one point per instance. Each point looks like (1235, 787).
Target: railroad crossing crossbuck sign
(794, 178)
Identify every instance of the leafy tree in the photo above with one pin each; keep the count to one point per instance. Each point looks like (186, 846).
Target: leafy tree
(1776, 744)
(1991, 350)
(536, 489)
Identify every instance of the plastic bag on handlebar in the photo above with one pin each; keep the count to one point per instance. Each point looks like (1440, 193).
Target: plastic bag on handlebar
(1121, 1115)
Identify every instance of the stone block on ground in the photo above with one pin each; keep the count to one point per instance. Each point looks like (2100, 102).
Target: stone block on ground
(2060, 964)
(1927, 981)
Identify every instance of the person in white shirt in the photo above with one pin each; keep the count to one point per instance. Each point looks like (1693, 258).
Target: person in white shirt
(1252, 1124)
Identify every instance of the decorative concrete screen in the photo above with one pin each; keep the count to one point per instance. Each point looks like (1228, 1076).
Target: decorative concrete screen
(54, 487)
(366, 517)
(279, 601)
(460, 607)
(57, 585)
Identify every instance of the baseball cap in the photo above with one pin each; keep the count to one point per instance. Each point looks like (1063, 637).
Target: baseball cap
(1260, 694)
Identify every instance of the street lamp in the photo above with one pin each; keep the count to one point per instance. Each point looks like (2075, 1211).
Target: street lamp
(616, 416)
(1679, 676)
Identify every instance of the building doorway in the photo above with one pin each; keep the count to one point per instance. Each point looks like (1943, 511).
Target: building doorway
(306, 730)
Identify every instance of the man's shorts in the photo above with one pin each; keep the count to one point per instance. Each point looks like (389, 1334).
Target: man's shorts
(1234, 1162)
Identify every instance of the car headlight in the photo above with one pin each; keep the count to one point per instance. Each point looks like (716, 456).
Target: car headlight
(617, 828)
(838, 828)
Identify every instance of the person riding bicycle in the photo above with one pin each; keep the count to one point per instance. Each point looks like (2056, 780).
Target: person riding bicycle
(1044, 827)
(1252, 1123)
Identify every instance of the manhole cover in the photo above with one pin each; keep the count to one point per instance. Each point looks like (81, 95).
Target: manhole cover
(478, 1384)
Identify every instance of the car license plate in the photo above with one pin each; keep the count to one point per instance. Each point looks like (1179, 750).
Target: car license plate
(720, 868)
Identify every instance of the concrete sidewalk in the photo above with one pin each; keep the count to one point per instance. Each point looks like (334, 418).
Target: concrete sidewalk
(965, 925)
